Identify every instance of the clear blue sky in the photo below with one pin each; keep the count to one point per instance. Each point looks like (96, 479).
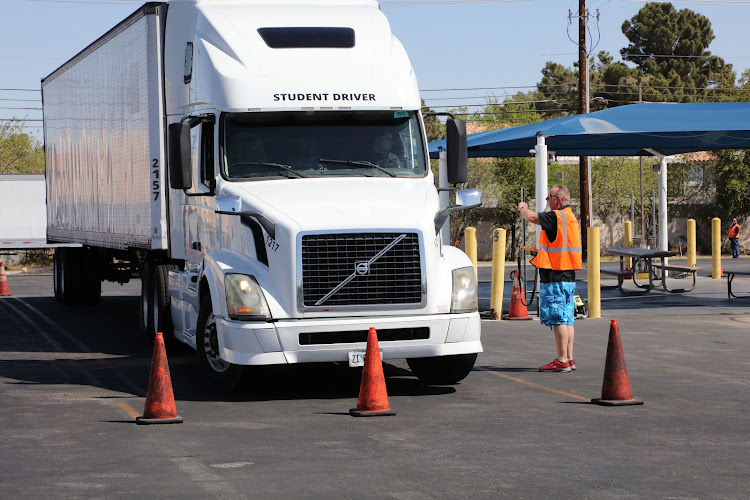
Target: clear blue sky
(459, 45)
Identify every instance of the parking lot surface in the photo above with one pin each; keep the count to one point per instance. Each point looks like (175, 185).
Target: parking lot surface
(72, 379)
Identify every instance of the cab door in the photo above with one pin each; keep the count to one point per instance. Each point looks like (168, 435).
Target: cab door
(199, 234)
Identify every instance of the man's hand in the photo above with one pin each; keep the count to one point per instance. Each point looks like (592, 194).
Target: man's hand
(522, 205)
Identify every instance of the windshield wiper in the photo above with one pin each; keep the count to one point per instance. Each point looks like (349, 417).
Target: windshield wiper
(363, 164)
(285, 168)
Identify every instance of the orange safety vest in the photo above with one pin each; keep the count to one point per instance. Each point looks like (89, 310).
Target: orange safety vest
(565, 252)
(734, 231)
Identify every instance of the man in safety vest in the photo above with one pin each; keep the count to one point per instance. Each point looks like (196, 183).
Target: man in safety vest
(734, 238)
(558, 256)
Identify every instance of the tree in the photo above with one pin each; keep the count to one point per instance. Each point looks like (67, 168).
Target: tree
(432, 125)
(500, 180)
(20, 153)
(670, 45)
(732, 177)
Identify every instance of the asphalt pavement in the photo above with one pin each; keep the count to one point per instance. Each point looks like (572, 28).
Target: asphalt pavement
(72, 380)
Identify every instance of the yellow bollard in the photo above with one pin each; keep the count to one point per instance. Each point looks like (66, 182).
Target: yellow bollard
(715, 248)
(594, 274)
(691, 243)
(470, 246)
(498, 274)
(629, 240)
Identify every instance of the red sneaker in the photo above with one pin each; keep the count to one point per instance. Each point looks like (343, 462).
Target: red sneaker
(555, 366)
(572, 364)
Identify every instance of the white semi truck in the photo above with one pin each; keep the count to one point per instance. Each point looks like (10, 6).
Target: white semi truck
(261, 165)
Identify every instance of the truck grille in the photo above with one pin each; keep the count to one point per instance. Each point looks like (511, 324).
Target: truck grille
(328, 260)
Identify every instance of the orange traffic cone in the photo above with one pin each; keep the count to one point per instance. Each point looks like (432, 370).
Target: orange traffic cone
(4, 290)
(160, 407)
(373, 398)
(616, 386)
(517, 308)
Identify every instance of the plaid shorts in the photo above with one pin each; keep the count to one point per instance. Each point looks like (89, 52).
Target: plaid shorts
(557, 306)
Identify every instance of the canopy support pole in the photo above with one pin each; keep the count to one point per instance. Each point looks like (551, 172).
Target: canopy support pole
(662, 188)
(541, 189)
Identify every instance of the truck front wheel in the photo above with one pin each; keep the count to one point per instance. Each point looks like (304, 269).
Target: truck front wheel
(219, 374)
(444, 370)
(160, 307)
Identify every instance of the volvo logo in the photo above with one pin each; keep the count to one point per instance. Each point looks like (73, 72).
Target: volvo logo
(362, 268)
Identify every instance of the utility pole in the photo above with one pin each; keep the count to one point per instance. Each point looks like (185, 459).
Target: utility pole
(644, 238)
(583, 107)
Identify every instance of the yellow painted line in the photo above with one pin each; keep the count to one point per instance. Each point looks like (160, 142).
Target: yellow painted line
(128, 409)
(538, 386)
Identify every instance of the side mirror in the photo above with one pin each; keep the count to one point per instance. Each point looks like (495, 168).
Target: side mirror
(468, 197)
(180, 175)
(458, 171)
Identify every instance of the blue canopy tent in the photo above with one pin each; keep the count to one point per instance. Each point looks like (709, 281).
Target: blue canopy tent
(623, 131)
(659, 129)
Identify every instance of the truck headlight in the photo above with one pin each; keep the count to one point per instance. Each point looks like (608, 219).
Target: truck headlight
(245, 300)
(464, 290)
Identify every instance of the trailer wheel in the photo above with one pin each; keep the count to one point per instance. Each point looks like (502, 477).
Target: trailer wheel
(91, 281)
(56, 274)
(160, 308)
(444, 370)
(69, 276)
(143, 303)
(219, 374)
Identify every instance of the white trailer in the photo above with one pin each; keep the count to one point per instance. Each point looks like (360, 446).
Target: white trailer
(23, 219)
(262, 167)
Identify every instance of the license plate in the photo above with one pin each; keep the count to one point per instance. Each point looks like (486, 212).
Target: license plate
(357, 358)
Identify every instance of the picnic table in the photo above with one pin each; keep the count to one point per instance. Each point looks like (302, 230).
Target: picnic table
(659, 272)
(730, 277)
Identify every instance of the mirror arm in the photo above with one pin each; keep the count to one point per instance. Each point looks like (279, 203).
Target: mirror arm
(265, 222)
(442, 215)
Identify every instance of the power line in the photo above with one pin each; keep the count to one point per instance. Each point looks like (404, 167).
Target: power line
(671, 56)
(728, 3)
(446, 2)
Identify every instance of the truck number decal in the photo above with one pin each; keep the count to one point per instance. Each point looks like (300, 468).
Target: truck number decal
(155, 182)
(271, 243)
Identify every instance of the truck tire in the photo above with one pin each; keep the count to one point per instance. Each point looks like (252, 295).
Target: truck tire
(145, 299)
(91, 281)
(217, 373)
(56, 275)
(160, 308)
(444, 370)
(69, 277)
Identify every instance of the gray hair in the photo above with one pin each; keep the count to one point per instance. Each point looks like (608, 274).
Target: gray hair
(562, 192)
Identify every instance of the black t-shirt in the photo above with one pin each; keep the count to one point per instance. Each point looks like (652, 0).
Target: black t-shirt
(548, 221)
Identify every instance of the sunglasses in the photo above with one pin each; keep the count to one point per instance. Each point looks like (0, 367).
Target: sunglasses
(553, 196)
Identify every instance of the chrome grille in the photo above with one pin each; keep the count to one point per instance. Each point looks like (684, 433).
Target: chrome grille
(329, 259)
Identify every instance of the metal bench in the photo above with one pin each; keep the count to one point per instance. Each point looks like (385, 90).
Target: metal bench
(621, 277)
(682, 269)
(730, 277)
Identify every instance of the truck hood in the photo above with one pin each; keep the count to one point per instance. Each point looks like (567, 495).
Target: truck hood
(349, 202)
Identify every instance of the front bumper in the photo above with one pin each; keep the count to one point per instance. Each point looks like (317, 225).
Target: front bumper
(260, 343)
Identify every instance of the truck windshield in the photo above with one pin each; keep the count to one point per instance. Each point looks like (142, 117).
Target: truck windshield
(322, 143)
